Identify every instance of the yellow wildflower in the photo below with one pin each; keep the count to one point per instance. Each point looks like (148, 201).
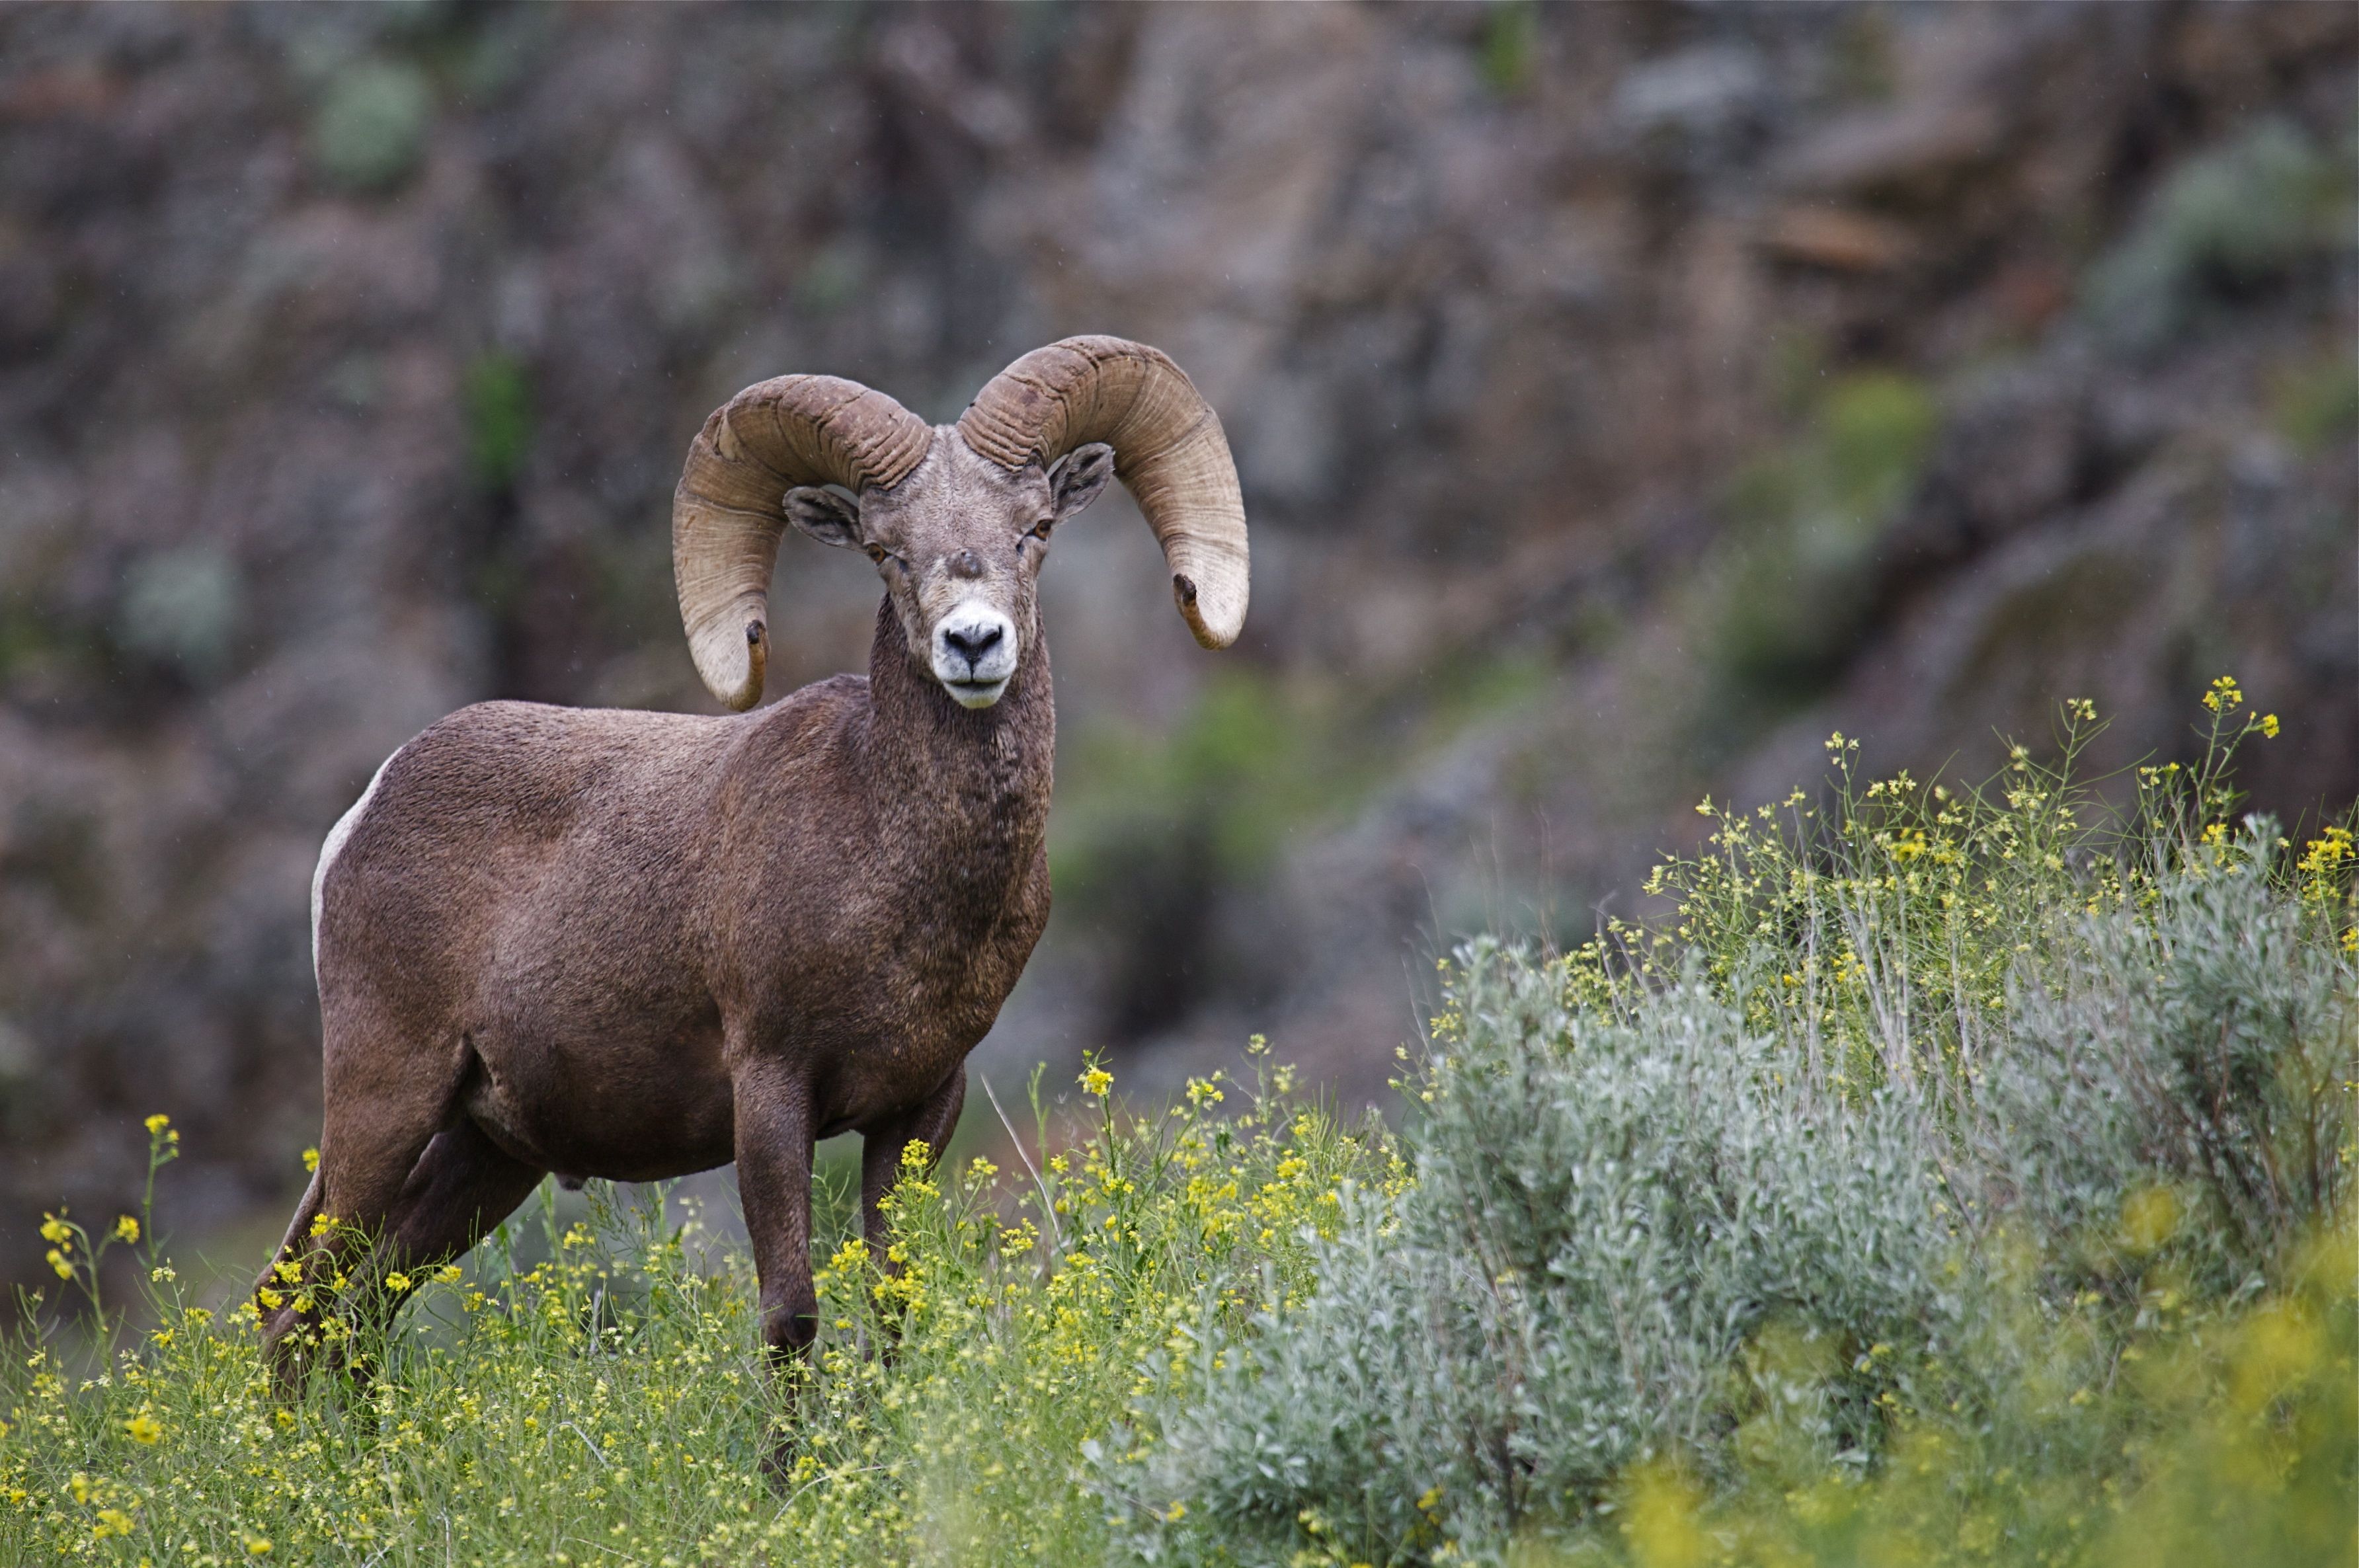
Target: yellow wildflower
(1096, 1082)
(144, 1428)
(157, 1122)
(311, 1159)
(2150, 1217)
(127, 1228)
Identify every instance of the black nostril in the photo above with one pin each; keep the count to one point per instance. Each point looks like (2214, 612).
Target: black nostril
(973, 646)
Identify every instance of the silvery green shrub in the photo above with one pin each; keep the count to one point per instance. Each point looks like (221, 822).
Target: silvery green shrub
(2199, 1049)
(1636, 1226)
(1606, 1212)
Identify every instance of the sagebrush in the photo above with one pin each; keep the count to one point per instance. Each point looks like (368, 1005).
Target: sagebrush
(1930, 1119)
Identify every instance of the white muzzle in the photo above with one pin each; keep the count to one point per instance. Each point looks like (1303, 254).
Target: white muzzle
(974, 654)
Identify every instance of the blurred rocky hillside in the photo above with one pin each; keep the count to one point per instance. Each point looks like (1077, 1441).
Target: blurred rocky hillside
(1625, 397)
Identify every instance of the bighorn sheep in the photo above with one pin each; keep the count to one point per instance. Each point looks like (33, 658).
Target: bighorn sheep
(638, 944)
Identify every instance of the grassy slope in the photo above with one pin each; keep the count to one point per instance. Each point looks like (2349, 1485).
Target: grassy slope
(2037, 1329)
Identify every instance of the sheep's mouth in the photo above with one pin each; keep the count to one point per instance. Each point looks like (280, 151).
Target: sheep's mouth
(975, 693)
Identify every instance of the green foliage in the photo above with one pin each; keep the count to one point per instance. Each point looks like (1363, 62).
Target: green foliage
(182, 607)
(34, 634)
(1232, 775)
(1792, 588)
(498, 390)
(1152, 825)
(371, 125)
(601, 1403)
(2319, 405)
(1026, 1329)
(2191, 1055)
(1510, 45)
(2240, 217)
(1251, 760)
(2231, 1436)
(1860, 64)
(1882, 930)
(831, 279)
(1876, 427)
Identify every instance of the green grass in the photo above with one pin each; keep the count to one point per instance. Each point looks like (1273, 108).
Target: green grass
(609, 1403)
(1953, 1175)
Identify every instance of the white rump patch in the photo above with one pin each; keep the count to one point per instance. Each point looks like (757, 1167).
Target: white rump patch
(334, 846)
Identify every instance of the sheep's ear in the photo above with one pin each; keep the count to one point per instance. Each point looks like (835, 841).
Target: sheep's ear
(1079, 476)
(827, 516)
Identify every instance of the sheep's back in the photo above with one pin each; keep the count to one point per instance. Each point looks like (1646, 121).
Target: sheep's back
(508, 843)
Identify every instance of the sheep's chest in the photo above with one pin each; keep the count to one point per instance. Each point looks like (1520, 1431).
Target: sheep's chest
(951, 963)
(895, 917)
(917, 968)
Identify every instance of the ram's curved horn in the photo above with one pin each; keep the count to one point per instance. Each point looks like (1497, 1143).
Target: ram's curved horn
(1168, 449)
(729, 510)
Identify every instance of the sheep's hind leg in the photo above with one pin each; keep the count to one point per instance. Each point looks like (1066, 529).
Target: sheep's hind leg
(292, 1246)
(385, 1101)
(461, 1186)
(773, 1181)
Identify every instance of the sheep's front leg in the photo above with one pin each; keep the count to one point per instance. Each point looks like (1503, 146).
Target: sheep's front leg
(774, 1180)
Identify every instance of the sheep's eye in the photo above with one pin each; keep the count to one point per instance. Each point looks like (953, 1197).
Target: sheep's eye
(1040, 529)
(880, 555)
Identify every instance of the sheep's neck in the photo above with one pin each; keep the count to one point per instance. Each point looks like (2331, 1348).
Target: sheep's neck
(978, 778)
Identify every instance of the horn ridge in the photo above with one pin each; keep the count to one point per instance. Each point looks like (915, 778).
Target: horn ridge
(728, 510)
(1169, 453)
